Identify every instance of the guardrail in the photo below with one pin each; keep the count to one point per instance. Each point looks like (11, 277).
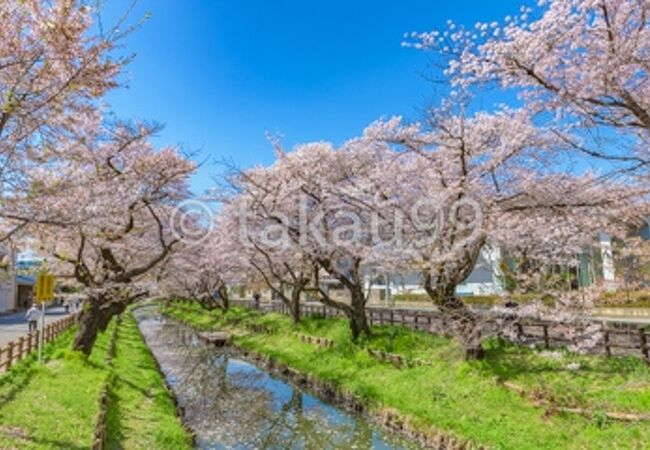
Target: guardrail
(618, 338)
(18, 349)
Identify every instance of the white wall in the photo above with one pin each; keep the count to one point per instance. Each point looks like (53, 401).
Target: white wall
(607, 256)
(7, 295)
(7, 279)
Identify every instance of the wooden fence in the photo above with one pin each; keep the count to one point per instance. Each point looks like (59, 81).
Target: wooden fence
(618, 338)
(18, 349)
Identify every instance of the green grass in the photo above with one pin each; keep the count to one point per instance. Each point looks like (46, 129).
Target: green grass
(465, 399)
(141, 414)
(635, 298)
(475, 300)
(54, 405)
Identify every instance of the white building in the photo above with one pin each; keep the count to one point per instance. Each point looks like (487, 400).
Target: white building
(485, 279)
(596, 266)
(8, 287)
(15, 289)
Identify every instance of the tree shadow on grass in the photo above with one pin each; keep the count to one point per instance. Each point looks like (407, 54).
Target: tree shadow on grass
(132, 385)
(18, 381)
(114, 424)
(324, 326)
(508, 361)
(21, 436)
(20, 375)
(52, 443)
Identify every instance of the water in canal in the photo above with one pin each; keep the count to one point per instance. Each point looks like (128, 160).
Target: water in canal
(232, 404)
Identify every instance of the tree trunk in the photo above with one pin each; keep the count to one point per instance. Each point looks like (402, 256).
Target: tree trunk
(295, 305)
(225, 300)
(474, 352)
(95, 318)
(464, 323)
(358, 320)
(444, 297)
(356, 310)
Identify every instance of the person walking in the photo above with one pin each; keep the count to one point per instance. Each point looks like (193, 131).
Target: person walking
(32, 316)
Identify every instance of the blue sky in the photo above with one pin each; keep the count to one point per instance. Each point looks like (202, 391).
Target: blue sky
(220, 73)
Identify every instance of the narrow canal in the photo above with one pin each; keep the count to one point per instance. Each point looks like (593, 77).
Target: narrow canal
(232, 404)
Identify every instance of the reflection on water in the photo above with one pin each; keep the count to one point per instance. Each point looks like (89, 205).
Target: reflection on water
(232, 404)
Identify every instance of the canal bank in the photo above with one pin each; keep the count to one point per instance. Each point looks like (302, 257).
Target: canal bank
(233, 399)
(141, 413)
(113, 399)
(437, 392)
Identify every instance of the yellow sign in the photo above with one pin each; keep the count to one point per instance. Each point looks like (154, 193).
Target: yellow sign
(44, 290)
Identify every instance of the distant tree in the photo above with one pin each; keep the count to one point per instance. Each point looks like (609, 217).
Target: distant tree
(278, 267)
(205, 269)
(312, 201)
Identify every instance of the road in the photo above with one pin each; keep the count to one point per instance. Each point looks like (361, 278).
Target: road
(13, 326)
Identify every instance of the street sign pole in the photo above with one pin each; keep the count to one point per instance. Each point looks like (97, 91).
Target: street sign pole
(40, 334)
(44, 292)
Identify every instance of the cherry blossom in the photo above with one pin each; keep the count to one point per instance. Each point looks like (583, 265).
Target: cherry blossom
(586, 61)
(313, 202)
(114, 199)
(54, 71)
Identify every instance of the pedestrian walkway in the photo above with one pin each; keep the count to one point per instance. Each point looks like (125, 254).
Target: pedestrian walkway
(13, 326)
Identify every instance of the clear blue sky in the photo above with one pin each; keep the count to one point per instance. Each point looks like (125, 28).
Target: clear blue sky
(220, 73)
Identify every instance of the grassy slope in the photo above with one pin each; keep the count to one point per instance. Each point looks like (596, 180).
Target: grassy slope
(456, 396)
(141, 414)
(54, 405)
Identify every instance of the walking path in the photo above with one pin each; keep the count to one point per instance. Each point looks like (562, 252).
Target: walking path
(601, 314)
(632, 316)
(12, 326)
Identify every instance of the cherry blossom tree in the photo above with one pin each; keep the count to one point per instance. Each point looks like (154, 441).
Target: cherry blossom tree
(278, 267)
(196, 275)
(585, 61)
(54, 69)
(313, 201)
(116, 197)
(632, 257)
(580, 68)
(406, 197)
(94, 197)
(205, 269)
(467, 184)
